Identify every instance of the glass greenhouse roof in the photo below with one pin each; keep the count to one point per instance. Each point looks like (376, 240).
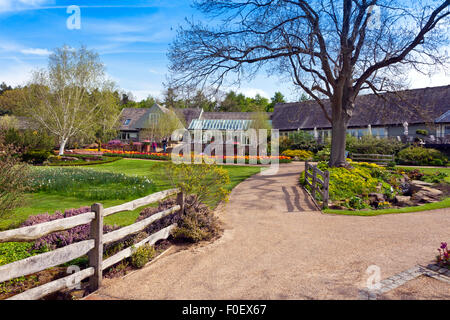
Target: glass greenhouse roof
(219, 124)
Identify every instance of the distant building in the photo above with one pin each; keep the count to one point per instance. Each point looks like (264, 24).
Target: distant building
(133, 120)
(422, 109)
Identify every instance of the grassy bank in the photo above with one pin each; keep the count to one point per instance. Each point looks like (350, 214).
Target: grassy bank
(368, 213)
(42, 202)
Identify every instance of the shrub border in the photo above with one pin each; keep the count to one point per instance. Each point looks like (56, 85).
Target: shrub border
(371, 213)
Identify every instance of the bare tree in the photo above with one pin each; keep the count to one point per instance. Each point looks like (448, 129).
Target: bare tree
(67, 98)
(330, 49)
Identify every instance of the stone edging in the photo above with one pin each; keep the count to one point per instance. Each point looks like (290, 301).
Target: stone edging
(432, 270)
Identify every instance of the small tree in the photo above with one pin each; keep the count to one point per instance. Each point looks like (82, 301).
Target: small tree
(206, 182)
(8, 122)
(162, 125)
(67, 98)
(260, 120)
(108, 121)
(13, 177)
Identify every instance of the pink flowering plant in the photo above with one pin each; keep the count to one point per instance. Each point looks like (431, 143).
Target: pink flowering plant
(443, 257)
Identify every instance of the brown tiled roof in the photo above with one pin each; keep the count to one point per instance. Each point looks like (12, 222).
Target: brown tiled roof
(135, 116)
(189, 114)
(414, 106)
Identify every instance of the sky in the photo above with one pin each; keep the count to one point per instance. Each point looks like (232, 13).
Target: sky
(132, 38)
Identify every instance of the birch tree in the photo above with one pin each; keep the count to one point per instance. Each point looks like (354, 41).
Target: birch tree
(67, 97)
(332, 50)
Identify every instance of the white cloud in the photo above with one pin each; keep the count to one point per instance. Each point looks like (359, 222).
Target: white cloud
(15, 74)
(36, 51)
(439, 78)
(157, 72)
(14, 5)
(143, 94)
(252, 92)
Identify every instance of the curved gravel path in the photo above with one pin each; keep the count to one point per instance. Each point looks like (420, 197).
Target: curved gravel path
(277, 246)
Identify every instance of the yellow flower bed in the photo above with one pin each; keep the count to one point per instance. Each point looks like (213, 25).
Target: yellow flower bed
(299, 154)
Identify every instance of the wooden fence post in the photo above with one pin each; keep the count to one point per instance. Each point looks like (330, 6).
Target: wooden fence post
(180, 201)
(306, 170)
(326, 188)
(96, 254)
(314, 182)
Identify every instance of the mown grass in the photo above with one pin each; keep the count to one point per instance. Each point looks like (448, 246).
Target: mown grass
(431, 171)
(43, 202)
(368, 213)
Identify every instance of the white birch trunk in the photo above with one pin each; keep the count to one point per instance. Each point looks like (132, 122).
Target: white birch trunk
(62, 146)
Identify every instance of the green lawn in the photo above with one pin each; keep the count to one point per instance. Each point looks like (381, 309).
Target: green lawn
(431, 171)
(42, 202)
(430, 206)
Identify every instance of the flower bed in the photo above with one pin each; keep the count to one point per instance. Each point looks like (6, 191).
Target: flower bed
(369, 186)
(299, 155)
(167, 156)
(89, 184)
(443, 259)
(137, 155)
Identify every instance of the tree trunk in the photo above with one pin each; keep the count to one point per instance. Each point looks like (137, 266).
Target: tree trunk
(338, 140)
(62, 146)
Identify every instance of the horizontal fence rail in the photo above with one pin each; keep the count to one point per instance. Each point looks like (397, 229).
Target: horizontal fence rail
(54, 286)
(160, 235)
(130, 206)
(93, 247)
(316, 184)
(45, 260)
(37, 231)
(139, 226)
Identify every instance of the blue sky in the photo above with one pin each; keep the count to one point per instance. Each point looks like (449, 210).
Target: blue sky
(132, 38)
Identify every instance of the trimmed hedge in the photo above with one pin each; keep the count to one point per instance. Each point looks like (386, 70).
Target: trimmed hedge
(80, 163)
(36, 156)
(372, 145)
(419, 156)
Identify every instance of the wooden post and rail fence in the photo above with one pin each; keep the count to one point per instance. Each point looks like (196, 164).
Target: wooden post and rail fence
(93, 247)
(318, 185)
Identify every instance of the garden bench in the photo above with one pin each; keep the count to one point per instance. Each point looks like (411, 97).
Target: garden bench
(380, 159)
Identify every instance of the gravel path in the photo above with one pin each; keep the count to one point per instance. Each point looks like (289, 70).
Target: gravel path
(276, 246)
